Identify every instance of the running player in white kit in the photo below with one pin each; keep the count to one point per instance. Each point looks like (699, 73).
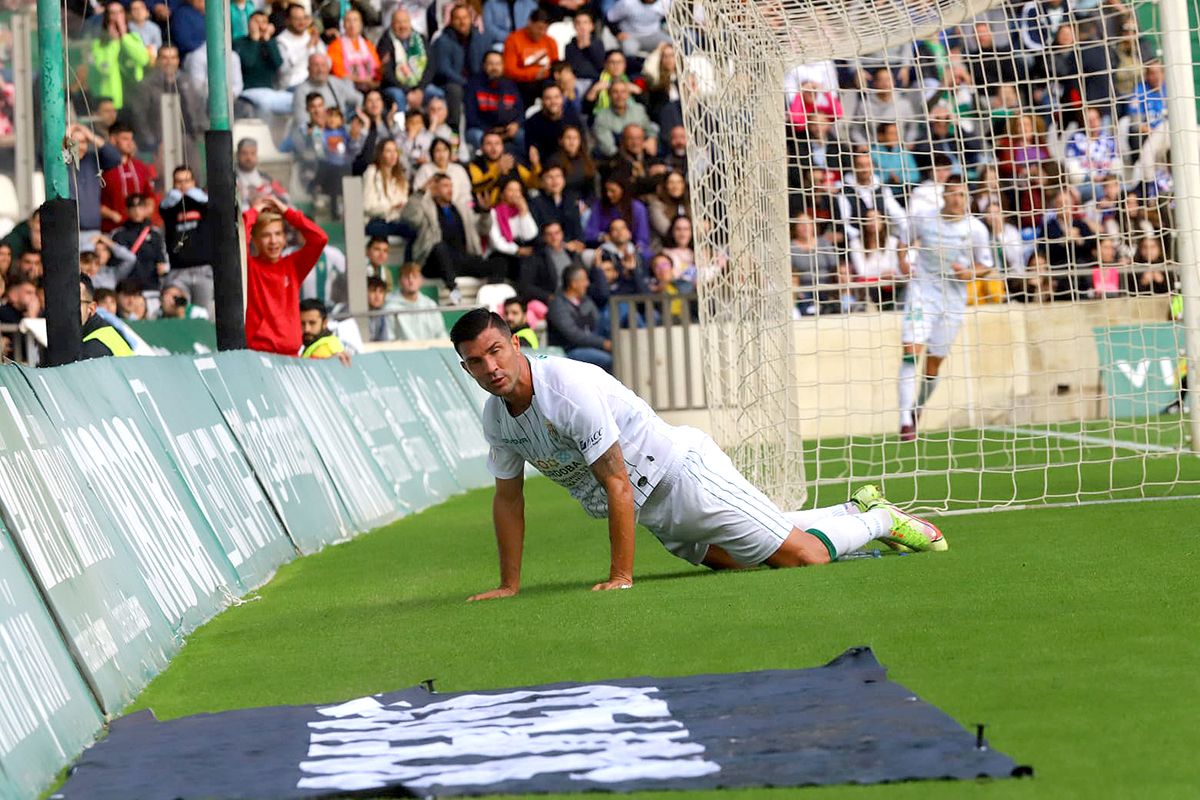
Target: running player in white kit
(952, 249)
(591, 435)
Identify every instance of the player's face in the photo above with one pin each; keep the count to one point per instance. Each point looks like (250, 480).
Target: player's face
(493, 360)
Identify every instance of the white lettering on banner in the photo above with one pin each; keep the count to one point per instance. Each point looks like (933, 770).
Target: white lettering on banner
(598, 733)
(216, 475)
(457, 428)
(130, 618)
(95, 643)
(334, 439)
(51, 515)
(31, 690)
(128, 480)
(1137, 374)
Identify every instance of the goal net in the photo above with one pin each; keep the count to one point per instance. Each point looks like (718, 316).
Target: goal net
(946, 246)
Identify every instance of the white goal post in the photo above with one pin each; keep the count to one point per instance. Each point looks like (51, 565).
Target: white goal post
(1060, 360)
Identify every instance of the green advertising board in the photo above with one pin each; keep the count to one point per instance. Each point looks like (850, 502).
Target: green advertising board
(190, 337)
(212, 465)
(47, 714)
(451, 416)
(1140, 367)
(277, 446)
(383, 418)
(305, 386)
(79, 559)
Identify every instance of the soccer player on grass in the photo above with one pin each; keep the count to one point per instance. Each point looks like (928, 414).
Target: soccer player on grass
(952, 250)
(591, 435)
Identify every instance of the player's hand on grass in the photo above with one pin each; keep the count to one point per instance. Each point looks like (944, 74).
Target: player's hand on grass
(494, 594)
(619, 583)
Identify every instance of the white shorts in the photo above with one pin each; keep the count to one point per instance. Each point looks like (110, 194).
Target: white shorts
(704, 500)
(931, 319)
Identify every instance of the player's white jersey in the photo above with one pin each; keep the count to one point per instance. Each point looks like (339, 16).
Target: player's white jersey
(942, 243)
(578, 412)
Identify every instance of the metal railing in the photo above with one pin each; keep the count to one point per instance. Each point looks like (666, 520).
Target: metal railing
(656, 349)
(24, 345)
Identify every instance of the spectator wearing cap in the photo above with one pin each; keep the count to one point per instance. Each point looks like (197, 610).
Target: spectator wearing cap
(528, 54)
(139, 235)
(457, 55)
(493, 102)
(621, 112)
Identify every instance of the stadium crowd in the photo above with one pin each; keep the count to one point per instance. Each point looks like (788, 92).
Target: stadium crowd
(541, 145)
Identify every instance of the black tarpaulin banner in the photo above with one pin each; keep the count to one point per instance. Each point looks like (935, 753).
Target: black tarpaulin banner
(840, 723)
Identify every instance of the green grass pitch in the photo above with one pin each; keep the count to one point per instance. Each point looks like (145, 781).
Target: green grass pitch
(1071, 632)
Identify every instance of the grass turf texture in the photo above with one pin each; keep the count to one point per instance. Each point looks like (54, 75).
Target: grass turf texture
(1068, 631)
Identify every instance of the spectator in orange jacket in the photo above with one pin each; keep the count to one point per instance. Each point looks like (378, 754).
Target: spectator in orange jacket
(352, 55)
(528, 54)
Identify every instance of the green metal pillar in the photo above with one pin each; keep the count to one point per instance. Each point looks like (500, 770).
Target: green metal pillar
(222, 186)
(216, 19)
(53, 97)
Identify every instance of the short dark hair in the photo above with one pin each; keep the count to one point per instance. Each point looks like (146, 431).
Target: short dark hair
(134, 199)
(119, 127)
(129, 287)
(374, 240)
(247, 141)
(474, 323)
(308, 98)
(32, 251)
(376, 283)
(15, 279)
(569, 274)
(182, 168)
(539, 15)
(101, 295)
(515, 301)
(313, 304)
(86, 283)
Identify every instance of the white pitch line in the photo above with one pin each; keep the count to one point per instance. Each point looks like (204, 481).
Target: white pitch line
(1120, 444)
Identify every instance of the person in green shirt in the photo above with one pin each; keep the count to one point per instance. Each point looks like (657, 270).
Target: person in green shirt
(119, 57)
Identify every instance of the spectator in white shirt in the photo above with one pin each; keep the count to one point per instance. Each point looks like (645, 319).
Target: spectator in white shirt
(513, 231)
(296, 43)
(422, 326)
(1091, 155)
(640, 24)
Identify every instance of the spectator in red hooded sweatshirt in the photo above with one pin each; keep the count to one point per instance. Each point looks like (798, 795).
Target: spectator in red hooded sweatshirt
(272, 279)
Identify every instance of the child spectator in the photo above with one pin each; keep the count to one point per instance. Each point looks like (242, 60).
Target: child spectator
(145, 242)
(416, 141)
(273, 280)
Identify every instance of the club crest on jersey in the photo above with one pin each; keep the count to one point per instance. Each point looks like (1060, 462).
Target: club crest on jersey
(550, 429)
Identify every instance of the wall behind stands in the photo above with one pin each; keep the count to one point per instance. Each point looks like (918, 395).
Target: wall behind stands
(140, 496)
